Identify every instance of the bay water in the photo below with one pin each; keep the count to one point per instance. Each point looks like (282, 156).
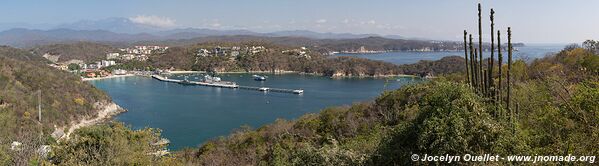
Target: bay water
(190, 115)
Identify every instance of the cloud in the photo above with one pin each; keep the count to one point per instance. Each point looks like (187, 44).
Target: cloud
(321, 21)
(215, 25)
(153, 21)
(346, 21)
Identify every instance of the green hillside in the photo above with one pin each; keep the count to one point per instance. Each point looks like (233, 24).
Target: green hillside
(64, 98)
(555, 112)
(84, 51)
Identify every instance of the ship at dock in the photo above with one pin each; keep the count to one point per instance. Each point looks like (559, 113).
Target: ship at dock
(217, 82)
(208, 78)
(186, 81)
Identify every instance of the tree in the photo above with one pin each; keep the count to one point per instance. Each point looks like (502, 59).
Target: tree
(111, 144)
(74, 66)
(591, 45)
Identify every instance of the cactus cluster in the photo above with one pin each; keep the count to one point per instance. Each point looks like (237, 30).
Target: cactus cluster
(483, 80)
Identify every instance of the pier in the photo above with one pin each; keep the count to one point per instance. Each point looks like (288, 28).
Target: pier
(227, 84)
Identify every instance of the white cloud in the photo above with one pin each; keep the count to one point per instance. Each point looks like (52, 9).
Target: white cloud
(346, 21)
(212, 23)
(370, 22)
(215, 25)
(153, 21)
(321, 21)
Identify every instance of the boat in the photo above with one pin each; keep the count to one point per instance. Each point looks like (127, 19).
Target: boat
(208, 78)
(299, 91)
(186, 82)
(259, 78)
(264, 89)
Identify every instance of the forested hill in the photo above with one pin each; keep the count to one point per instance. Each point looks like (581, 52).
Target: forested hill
(555, 108)
(328, 45)
(19, 54)
(84, 51)
(64, 98)
(184, 57)
(445, 65)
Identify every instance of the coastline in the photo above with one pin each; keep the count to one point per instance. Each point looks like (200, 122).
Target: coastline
(338, 76)
(107, 111)
(231, 72)
(295, 72)
(108, 77)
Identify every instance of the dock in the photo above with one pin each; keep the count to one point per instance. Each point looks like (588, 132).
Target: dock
(227, 84)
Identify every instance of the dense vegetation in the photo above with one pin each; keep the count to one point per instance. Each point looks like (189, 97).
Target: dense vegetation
(271, 60)
(445, 65)
(555, 113)
(111, 144)
(64, 98)
(326, 45)
(84, 51)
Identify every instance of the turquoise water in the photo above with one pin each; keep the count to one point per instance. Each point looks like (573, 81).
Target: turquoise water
(190, 115)
(528, 52)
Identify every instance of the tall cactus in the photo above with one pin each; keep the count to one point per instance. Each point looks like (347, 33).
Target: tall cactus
(500, 64)
(485, 82)
(472, 62)
(509, 66)
(480, 69)
(476, 72)
(490, 67)
(480, 48)
(466, 56)
(489, 77)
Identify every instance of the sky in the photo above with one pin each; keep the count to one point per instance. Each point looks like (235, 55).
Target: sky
(532, 21)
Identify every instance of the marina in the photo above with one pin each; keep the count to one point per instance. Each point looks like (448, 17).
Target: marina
(216, 82)
(190, 114)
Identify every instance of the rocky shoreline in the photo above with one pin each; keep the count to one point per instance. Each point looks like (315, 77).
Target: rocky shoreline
(106, 111)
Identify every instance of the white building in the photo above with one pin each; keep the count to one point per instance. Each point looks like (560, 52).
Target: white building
(203, 52)
(105, 63)
(112, 55)
(119, 72)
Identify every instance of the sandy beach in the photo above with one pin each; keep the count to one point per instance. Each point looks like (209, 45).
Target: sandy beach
(108, 77)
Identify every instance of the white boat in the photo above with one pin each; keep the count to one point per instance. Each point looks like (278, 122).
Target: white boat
(299, 91)
(259, 78)
(208, 78)
(263, 89)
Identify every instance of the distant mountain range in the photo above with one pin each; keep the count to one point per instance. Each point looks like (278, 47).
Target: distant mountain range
(117, 25)
(126, 30)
